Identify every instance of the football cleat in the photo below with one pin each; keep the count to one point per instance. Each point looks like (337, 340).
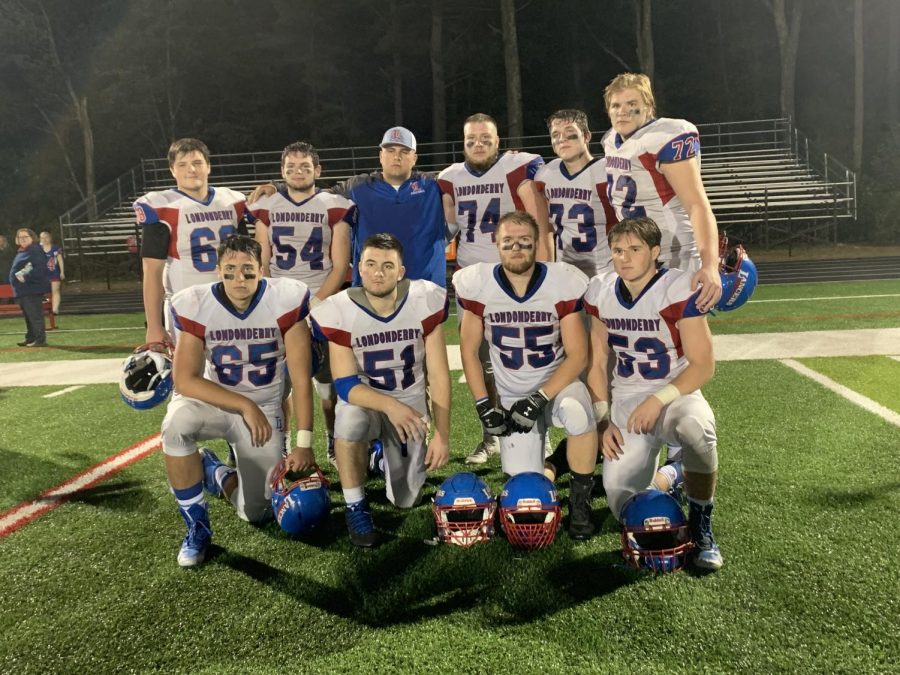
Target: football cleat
(211, 464)
(490, 445)
(376, 459)
(655, 533)
(738, 274)
(529, 510)
(706, 553)
(300, 505)
(360, 524)
(146, 379)
(195, 543)
(464, 510)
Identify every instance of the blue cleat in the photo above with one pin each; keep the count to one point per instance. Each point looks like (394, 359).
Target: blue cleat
(211, 465)
(706, 554)
(195, 543)
(360, 524)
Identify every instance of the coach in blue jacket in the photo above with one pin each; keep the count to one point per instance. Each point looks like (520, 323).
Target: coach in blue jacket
(28, 277)
(399, 201)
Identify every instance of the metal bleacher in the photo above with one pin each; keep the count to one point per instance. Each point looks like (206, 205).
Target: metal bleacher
(766, 182)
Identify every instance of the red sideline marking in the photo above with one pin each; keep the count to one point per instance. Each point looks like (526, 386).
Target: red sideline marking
(24, 513)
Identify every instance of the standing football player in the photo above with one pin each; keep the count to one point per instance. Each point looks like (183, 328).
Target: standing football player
(386, 342)
(181, 229)
(650, 319)
(304, 236)
(528, 312)
(574, 187)
(653, 169)
(234, 338)
(476, 192)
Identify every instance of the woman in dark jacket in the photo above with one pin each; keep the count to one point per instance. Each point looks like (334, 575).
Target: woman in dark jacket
(28, 277)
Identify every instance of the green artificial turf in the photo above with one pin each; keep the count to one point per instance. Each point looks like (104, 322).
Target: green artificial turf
(809, 583)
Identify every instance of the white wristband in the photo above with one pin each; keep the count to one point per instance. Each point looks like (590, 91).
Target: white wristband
(667, 394)
(304, 438)
(601, 410)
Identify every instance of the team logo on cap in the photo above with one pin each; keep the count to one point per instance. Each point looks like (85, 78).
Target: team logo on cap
(396, 136)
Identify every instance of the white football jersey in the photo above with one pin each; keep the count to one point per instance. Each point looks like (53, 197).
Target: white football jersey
(244, 350)
(637, 187)
(195, 231)
(389, 350)
(481, 198)
(300, 233)
(580, 213)
(643, 332)
(522, 333)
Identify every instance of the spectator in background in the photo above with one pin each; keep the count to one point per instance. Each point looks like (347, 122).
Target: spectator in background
(6, 258)
(28, 277)
(55, 270)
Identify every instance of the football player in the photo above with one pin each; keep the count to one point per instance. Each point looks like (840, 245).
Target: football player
(181, 229)
(235, 337)
(304, 235)
(653, 170)
(649, 319)
(528, 312)
(574, 186)
(386, 343)
(475, 193)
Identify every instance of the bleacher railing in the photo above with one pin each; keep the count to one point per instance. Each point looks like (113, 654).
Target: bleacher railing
(110, 233)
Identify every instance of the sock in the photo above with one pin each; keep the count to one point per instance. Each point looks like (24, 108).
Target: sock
(222, 474)
(702, 503)
(673, 475)
(192, 503)
(354, 495)
(582, 480)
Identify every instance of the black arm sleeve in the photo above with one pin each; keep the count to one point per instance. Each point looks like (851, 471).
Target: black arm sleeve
(155, 241)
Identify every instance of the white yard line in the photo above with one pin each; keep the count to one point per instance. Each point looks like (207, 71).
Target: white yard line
(64, 391)
(862, 401)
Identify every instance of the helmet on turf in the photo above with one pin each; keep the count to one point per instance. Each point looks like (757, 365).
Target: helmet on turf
(654, 532)
(738, 275)
(464, 510)
(146, 379)
(299, 505)
(529, 510)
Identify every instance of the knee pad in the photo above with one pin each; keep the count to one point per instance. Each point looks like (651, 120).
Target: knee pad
(179, 429)
(699, 454)
(351, 423)
(575, 418)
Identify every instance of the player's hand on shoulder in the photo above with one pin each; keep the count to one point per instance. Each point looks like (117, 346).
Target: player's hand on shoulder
(711, 290)
(156, 334)
(643, 418)
(300, 459)
(612, 443)
(257, 423)
(410, 425)
(261, 191)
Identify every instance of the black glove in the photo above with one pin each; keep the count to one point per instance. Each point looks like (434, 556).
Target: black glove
(524, 412)
(492, 419)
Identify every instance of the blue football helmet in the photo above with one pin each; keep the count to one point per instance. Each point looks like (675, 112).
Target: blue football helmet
(146, 379)
(655, 532)
(529, 510)
(300, 505)
(464, 510)
(738, 274)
